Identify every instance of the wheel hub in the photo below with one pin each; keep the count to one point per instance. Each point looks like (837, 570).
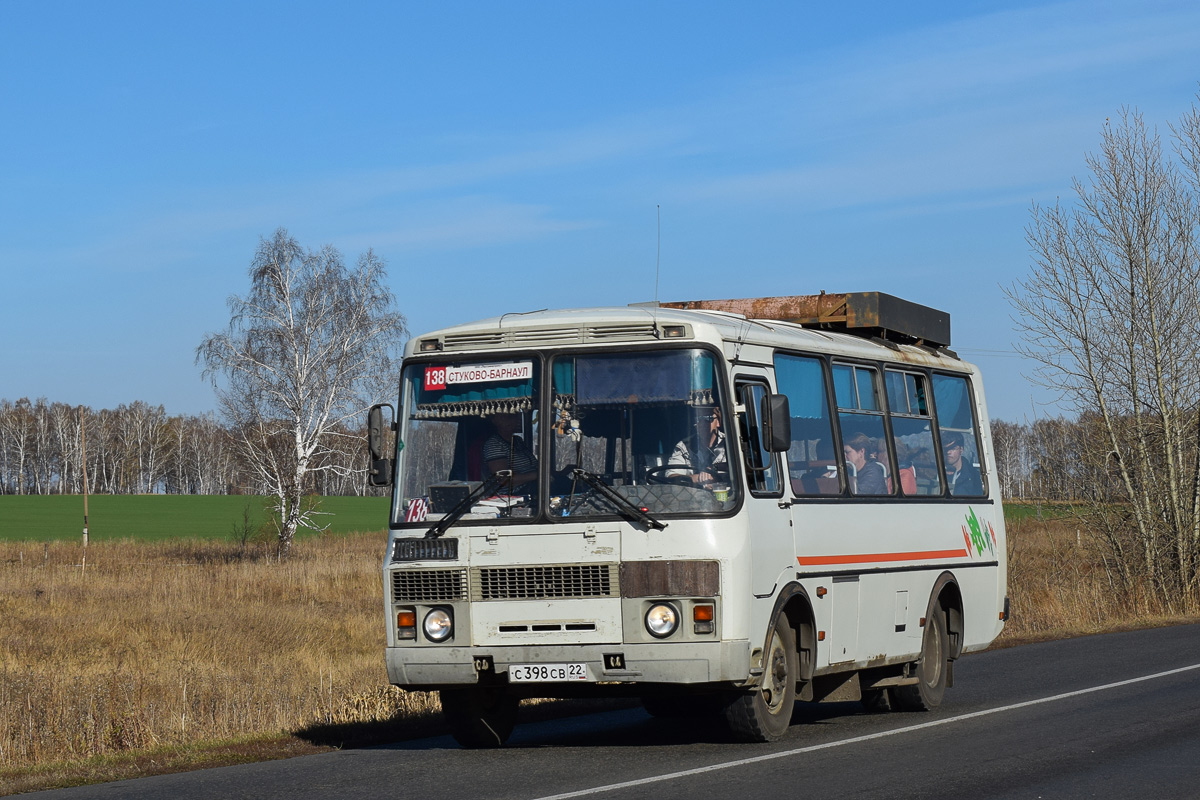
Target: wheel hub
(774, 687)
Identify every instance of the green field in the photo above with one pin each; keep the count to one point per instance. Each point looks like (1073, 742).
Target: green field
(173, 516)
(1015, 510)
(150, 517)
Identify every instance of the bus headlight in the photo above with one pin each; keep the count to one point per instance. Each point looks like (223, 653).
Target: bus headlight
(438, 625)
(661, 620)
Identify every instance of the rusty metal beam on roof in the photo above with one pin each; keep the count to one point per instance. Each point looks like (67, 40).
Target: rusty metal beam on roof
(796, 308)
(860, 313)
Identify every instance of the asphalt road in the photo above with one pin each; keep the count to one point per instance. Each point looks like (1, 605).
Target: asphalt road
(1114, 716)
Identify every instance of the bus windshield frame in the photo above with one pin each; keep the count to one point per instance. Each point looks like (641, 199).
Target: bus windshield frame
(640, 420)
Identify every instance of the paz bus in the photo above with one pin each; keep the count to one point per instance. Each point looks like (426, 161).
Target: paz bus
(720, 507)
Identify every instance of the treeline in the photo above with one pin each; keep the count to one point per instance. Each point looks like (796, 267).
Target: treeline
(138, 449)
(1050, 459)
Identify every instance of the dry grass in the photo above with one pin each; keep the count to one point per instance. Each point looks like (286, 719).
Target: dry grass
(172, 655)
(156, 646)
(1059, 587)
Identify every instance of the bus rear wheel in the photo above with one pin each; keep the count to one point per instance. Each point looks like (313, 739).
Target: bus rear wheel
(480, 716)
(926, 694)
(763, 715)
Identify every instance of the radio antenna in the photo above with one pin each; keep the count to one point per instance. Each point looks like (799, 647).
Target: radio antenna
(658, 251)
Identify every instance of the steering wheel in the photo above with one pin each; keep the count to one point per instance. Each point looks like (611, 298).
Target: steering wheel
(659, 474)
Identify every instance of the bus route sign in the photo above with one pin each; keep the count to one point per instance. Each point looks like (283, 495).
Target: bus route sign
(441, 377)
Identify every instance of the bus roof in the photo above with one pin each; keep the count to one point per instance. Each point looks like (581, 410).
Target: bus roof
(650, 323)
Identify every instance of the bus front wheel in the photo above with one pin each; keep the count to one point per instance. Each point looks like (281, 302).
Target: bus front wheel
(479, 716)
(926, 694)
(763, 715)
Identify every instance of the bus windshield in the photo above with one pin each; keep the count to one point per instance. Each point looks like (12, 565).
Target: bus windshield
(648, 425)
(460, 424)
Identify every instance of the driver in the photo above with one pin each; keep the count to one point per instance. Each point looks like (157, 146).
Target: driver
(702, 454)
(505, 450)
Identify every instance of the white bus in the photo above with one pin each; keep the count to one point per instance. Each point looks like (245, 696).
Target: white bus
(719, 507)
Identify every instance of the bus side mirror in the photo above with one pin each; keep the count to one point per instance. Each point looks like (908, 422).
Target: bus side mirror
(777, 423)
(379, 472)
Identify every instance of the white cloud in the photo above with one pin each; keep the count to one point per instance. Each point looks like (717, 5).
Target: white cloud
(987, 106)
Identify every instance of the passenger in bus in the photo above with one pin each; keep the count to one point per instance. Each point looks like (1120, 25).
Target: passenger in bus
(879, 454)
(505, 450)
(868, 474)
(907, 470)
(702, 455)
(961, 474)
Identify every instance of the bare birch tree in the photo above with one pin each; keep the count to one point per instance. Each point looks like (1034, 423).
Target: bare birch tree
(16, 426)
(1008, 441)
(308, 349)
(67, 421)
(1109, 312)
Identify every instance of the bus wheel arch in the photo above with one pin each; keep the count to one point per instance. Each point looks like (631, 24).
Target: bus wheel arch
(947, 594)
(794, 604)
(939, 647)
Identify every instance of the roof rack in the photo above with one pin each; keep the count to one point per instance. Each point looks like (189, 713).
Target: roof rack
(860, 313)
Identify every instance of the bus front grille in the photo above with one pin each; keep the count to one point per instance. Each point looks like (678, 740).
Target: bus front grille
(557, 581)
(428, 585)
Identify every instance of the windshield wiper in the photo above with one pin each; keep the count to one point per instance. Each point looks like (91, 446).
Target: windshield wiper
(623, 503)
(453, 515)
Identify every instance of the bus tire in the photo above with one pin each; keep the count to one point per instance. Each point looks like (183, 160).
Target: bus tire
(479, 716)
(763, 715)
(926, 694)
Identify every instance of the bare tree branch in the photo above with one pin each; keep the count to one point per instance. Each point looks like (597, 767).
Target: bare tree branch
(1109, 313)
(308, 349)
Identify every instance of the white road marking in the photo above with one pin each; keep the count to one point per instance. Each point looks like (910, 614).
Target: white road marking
(741, 762)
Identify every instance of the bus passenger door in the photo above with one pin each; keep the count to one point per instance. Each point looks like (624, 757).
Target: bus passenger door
(769, 521)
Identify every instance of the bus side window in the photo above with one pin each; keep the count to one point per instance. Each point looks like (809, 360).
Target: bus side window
(762, 467)
(860, 415)
(912, 430)
(812, 461)
(966, 474)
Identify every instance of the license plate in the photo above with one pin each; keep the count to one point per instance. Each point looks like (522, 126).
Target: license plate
(547, 672)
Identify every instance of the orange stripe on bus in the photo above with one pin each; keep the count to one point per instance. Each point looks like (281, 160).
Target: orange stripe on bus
(865, 558)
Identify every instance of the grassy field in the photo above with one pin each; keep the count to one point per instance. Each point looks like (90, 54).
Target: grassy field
(163, 645)
(1017, 511)
(160, 517)
(157, 517)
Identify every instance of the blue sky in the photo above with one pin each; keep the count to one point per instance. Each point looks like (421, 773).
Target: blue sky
(511, 156)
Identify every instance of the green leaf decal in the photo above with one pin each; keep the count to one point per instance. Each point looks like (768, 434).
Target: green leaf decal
(978, 537)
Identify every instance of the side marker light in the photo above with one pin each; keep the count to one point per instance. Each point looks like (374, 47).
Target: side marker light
(406, 623)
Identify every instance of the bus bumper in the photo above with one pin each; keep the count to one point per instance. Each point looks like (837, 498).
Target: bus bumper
(682, 663)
